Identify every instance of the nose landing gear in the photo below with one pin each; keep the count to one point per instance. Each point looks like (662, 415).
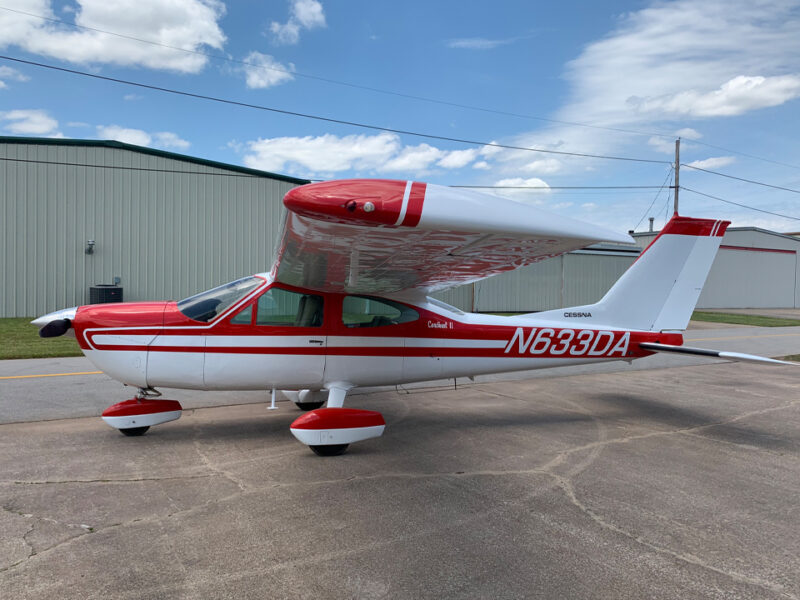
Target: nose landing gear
(135, 416)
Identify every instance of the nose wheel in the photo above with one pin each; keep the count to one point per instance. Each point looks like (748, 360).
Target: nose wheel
(134, 431)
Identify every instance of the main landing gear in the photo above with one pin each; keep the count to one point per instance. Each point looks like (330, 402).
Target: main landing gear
(329, 431)
(135, 416)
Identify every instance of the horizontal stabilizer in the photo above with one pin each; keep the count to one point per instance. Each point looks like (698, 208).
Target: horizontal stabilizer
(736, 356)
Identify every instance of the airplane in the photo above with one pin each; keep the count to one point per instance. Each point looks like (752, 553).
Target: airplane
(347, 303)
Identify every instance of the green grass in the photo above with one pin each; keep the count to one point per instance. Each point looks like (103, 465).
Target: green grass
(794, 357)
(20, 339)
(754, 320)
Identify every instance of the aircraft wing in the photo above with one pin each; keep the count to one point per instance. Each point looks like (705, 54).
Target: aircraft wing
(382, 236)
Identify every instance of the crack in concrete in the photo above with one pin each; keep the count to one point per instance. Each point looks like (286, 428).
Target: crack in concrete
(567, 487)
(685, 557)
(561, 482)
(210, 466)
(103, 481)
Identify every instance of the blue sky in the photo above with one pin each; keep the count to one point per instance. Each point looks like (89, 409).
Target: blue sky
(722, 74)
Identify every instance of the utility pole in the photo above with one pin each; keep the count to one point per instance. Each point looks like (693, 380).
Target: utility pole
(677, 171)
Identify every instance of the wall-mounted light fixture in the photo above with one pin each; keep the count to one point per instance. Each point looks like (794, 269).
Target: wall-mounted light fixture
(90, 247)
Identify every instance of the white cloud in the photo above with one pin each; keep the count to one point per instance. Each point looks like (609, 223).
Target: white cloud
(687, 58)
(263, 71)
(9, 74)
(323, 154)
(329, 154)
(29, 122)
(413, 159)
(167, 139)
(489, 151)
(545, 166)
(456, 159)
(482, 165)
(739, 95)
(138, 137)
(532, 196)
(688, 133)
(188, 24)
(664, 66)
(124, 134)
(308, 13)
(478, 43)
(712, 163)
(132, 97)
(285, 33)
(303, 14)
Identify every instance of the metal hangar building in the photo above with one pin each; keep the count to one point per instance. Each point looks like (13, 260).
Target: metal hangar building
(82, 214)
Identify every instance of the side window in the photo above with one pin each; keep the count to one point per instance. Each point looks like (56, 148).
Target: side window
(243, 317)
(283, 308)
(364, 311)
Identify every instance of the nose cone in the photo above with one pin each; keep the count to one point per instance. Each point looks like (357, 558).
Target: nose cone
(56, 323)
(59, 315)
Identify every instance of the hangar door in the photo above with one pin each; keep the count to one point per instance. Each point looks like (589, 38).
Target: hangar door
(750, 278)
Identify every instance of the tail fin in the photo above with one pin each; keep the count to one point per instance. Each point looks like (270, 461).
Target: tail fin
(660, 289)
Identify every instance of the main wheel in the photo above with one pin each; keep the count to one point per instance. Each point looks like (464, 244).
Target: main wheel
(134, 431)
(331, 450)
(309, 405)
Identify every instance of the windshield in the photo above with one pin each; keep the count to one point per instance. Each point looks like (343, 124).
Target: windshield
(207, 305)
(444, 305)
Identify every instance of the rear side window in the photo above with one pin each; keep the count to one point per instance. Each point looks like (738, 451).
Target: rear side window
(282, 308)
(365, 311)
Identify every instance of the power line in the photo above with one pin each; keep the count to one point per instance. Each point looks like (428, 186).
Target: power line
(739, 204)
(181, 172)
(661, 188)
(326, 119)
(769, 185)
(559, 187)
(387, 92)
(335, 81)
(774, 162)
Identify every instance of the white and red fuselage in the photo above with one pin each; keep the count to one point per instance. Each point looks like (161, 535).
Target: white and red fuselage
(346, 305)
(153, 344)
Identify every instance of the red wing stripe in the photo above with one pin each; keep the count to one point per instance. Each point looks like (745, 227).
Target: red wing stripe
(415, 200)
(404, 206)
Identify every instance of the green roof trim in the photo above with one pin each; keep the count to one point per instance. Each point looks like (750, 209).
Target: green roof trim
(151, 151)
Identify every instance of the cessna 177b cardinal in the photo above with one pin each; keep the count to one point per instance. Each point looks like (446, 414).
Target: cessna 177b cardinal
(347, 304)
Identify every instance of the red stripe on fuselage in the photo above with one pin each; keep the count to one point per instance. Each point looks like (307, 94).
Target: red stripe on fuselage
(522, 343)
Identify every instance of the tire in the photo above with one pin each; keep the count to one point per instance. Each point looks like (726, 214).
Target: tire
(331, 450)
(309, 405)
(134, 431)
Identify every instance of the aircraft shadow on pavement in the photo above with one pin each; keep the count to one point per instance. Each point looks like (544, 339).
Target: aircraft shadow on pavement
(656, 412)
(422, 423)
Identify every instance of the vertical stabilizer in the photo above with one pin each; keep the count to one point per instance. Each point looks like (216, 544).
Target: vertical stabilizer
(660, 290)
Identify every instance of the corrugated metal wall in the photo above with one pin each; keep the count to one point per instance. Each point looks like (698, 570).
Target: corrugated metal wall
(754, 268)
(166, 235)
(569, 280)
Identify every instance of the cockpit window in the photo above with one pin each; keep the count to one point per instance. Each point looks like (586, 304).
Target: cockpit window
(282, 308)
(207, 305)
(364, 311)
